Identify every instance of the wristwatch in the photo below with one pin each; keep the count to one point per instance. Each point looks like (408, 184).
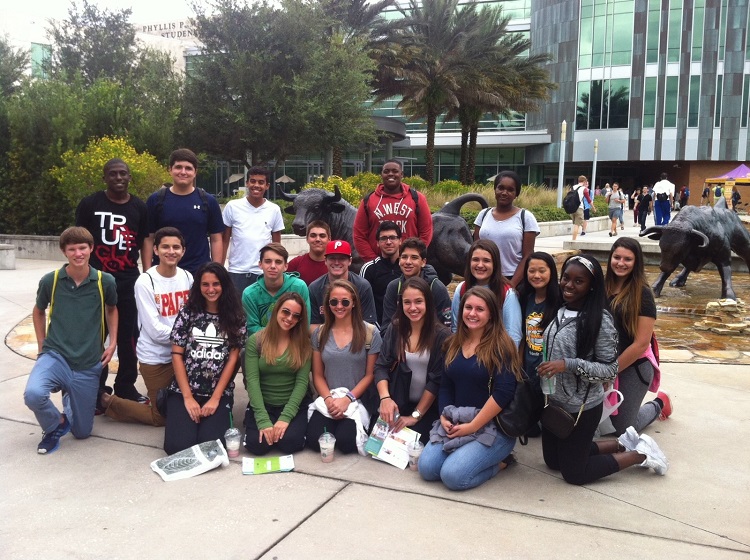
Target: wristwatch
(416, 414)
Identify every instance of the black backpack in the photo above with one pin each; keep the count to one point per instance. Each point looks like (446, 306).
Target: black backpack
(572, 201)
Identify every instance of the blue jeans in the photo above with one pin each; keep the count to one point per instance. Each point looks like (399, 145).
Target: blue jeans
(468, 466)
(662, 210)
(51, 372)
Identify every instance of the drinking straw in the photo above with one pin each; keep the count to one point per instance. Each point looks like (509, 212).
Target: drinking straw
(231, 420)
(544, 350)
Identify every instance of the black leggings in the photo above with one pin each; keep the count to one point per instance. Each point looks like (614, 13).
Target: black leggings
(181, 432)
(294, 437)
(577, 457)
(345, 432)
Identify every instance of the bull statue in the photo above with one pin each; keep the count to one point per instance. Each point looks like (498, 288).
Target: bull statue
(697, 236)
(451, 237)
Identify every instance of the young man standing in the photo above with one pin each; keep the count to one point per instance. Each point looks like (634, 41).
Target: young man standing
(581, 216)
(189, 209)
(663, 193)
(338, 260)
(251, 223)
(118, 223)
(385, 268)
(160, 293)
(82, 301)
(259, 298)
(312, 265)
(413, 262)
(394, 201)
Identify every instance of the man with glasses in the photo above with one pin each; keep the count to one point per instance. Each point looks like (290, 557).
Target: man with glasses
(259, 298)
(380, 271)
(312, 265)
(338, 257)
(251, 223)
(413, 262)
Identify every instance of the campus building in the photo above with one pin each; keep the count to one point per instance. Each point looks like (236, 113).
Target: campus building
(657, 85)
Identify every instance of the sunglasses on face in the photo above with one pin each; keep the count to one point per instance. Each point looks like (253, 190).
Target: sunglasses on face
(286, 313)
(334, 302)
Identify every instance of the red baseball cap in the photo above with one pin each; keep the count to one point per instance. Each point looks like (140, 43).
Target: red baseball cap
(338, 247)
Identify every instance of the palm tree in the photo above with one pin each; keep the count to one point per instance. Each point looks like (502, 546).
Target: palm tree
(506, 81)
(424, 58)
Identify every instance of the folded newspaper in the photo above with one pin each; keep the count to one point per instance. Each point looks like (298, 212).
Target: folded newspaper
(389, 446)
(192, 462)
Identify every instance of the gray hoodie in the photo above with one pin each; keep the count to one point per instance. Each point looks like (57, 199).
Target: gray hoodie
(560, 341)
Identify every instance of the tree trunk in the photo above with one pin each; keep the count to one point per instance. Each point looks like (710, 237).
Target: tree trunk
(463, 175)
(338, 161)
(429, 173)
(473, 131)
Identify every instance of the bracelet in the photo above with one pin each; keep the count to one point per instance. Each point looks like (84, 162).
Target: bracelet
(385, 397)
(351, 396)
(177, 353)
(328, 397)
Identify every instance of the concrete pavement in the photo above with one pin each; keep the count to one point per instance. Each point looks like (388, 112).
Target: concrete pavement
(98, 497)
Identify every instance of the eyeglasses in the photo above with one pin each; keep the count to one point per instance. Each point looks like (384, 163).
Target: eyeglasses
(286, 313)
(385, 238)
(334, 302)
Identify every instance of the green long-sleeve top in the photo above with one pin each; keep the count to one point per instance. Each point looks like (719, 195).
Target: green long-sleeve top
(275, 385)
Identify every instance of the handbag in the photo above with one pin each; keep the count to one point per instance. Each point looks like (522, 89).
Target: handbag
(523, 411)
(559, 421)
(399, 383)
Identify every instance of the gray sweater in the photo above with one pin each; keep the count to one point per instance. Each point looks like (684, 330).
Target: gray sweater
(560, 340)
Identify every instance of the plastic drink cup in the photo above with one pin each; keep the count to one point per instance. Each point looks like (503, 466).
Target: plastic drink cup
(415, 449)
(232, 437)
(548, 384)
(327, 444)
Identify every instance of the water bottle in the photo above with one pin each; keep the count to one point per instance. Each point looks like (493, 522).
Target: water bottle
(548, 384)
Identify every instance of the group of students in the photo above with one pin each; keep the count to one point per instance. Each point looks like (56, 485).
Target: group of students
(334, 376)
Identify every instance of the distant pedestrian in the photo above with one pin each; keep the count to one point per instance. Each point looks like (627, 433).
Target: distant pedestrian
(664, 194)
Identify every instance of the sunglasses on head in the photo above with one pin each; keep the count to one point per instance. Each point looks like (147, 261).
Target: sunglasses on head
(286, 313)
(334, 302)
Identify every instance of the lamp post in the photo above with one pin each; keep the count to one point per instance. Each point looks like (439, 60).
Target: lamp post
(593, 171)
(561, 169)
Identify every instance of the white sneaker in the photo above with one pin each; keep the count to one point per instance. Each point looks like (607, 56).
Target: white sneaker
(655, 458)
(629, 440)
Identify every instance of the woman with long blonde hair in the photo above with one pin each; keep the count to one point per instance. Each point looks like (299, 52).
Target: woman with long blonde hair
(344, 352)
(482, 367)
(277, 371)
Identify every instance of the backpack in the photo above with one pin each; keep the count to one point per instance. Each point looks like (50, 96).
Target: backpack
(483, 214)
(572, 201)
(717, 192)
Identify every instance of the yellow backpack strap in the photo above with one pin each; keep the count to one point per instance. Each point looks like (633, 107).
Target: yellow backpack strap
(52, 299)
(101, 296)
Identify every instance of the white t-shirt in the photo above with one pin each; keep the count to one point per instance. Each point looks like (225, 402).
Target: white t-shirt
(507, 235)
(251, 231)
(158, 300)
(664, 187)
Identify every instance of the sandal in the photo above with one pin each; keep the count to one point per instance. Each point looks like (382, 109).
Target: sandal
(509, 461)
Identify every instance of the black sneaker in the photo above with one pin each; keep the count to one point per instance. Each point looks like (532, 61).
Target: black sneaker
(51, 441)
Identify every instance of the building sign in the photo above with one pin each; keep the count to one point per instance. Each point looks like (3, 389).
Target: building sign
(170, 30)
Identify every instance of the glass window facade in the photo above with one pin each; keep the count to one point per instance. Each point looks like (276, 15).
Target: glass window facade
(745, 101)
(603, 104)
(694, 101)
(670, 101)
(719, 93)
(40, 57)
(723, 29)
(652, 37)
(675, 31)
(699, 9)
(606, 37)
(649, 103)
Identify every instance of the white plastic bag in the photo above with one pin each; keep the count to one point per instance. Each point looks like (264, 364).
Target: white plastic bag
(192, 461)
(605, 424)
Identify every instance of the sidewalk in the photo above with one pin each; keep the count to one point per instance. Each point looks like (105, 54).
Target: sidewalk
(98, 497)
